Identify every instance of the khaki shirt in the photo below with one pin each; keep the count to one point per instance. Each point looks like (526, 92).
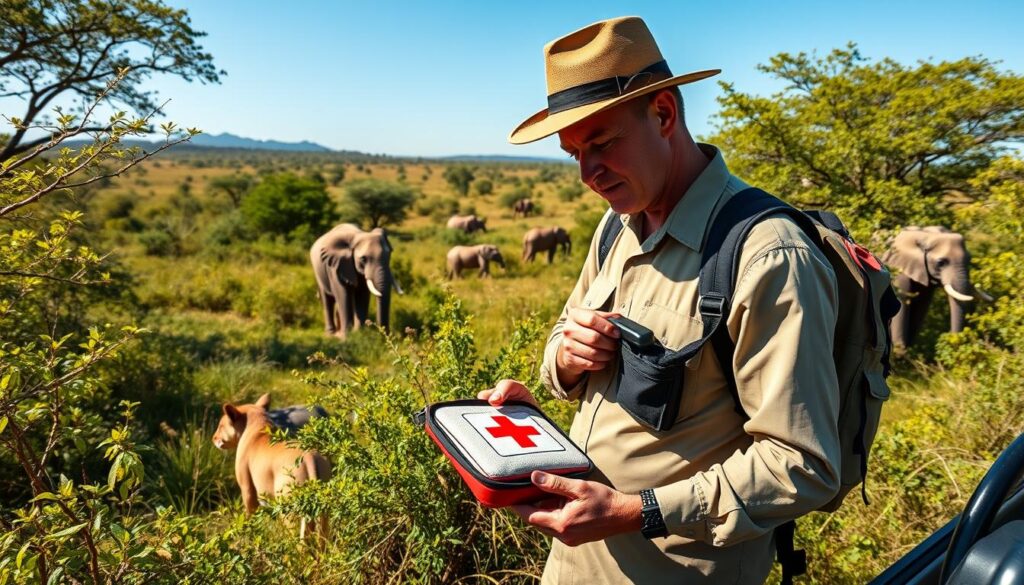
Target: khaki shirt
(723, 483)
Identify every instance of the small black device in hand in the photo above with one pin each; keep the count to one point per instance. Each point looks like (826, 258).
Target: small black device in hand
(635, 333)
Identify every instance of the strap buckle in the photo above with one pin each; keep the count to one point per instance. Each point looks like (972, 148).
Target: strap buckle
(713, 306)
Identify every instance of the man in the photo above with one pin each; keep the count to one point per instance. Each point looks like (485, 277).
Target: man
(696, 503)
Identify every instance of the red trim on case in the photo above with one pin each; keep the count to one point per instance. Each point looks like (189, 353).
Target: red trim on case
(487, 496)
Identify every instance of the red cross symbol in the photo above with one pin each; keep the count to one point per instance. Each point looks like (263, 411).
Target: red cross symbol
(507, 428)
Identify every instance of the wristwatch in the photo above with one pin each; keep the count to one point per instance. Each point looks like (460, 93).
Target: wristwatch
(652, 522)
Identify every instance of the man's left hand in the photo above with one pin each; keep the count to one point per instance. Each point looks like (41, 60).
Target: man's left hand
(580, 511)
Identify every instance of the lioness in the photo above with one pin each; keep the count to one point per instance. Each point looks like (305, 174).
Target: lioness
(264, 468)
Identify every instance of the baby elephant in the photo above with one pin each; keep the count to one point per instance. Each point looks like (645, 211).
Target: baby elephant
(545, 239)
(524, 207)
(467, 223)
(480, 256)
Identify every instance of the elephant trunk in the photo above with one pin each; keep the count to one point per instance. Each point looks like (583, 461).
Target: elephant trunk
(380, 286)
(958, 290)
(956, 315)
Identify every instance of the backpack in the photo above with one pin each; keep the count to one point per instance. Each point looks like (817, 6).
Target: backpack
(867, 303)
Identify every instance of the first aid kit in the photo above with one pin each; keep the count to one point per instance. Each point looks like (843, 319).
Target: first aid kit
(495, 448)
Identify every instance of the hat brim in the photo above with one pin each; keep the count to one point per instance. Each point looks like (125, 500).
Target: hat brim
(542, 125)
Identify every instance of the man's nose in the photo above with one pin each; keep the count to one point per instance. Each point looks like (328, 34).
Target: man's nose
(590, 168)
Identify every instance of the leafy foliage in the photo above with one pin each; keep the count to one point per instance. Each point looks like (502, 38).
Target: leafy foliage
(55, 47)
(234, 186)
(427, 527)
(460, 177)
(376, 203)
(880, 143)
(288, 205)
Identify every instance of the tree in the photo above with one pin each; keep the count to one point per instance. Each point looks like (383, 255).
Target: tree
(375, 202)
(67, 528)
(459, 177)
(880, 143)
(289, 205)
(235, 186)
(52, 48)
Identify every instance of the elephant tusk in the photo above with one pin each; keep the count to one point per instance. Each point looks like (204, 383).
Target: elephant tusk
(398, 287)
(373, 289)
(957, 295)
(984, 295)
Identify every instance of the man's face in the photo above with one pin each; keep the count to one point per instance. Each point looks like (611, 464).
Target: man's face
(622, 155)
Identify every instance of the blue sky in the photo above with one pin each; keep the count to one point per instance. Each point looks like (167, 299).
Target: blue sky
(442, 78)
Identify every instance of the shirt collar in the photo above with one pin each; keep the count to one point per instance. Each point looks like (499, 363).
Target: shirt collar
(689, 220)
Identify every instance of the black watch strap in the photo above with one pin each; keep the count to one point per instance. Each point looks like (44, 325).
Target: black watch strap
(653, 524)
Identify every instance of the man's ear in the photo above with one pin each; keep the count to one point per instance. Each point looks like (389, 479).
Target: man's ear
(232, 412)
(263, 401)
(667, 110)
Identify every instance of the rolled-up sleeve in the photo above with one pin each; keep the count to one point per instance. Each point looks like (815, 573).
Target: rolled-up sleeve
(782, 321)
(548, 374)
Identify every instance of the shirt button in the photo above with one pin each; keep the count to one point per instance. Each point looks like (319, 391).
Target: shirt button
(622, 306)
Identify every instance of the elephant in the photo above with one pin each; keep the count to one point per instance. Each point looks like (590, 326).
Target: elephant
(546, 238)
(524, 207)
(480, 256)
(467, 223)
(928, 258)
(350, 265)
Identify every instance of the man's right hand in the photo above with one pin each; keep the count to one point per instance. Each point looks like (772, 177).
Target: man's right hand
(589, 343)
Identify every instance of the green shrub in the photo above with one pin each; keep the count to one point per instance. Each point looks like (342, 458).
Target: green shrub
(483, 186)
(228, 229)
(118, 206)
(459, 177)
(288, 205)
(427, 528)
(286, 300)
(570, 192)
(159, 242)
(451, 237)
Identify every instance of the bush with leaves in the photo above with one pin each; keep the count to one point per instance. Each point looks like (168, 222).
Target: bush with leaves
(288, 205)
(79, 522)
(880, 143)
(460, 177)
(570, 192)
(426, 526)
(483, 186)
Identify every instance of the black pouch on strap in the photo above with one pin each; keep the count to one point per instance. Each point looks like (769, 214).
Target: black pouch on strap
(651, 384)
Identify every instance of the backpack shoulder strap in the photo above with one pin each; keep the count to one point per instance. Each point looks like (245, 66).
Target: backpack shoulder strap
(720, 263)
(612, 228)
(717, 282)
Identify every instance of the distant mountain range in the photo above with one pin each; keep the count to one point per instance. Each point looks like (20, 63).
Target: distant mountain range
(227, 140)
(231, 141)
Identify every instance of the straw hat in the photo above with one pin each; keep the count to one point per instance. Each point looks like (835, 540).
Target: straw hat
(595, 68)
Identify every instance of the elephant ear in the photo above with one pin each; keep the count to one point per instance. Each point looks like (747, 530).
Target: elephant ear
(341, 264)
(907, 255)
